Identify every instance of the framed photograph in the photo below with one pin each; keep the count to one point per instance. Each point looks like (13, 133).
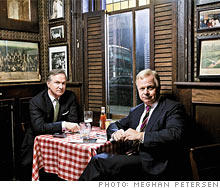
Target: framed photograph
(58, 58)
(56, 9)
(19, 15)
(19, 61)
(57, 32)
(208, 56)
(208, 19)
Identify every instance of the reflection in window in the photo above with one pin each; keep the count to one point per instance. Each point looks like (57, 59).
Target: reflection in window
(120, 90)
(142, 40)
(85, 6)
(93, 5)
(120, 61)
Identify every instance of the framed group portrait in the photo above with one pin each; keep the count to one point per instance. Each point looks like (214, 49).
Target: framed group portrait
(19, 15)
(208, 19)
(208, 56)
(58, 58)
(56, 9)
(57, 32)
(19, 61)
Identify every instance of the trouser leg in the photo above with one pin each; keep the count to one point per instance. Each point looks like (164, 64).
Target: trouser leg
(113, 167)
(25, 173)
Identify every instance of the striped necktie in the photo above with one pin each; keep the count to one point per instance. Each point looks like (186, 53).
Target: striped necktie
(56, 110)
(136, 143)
(144, 123)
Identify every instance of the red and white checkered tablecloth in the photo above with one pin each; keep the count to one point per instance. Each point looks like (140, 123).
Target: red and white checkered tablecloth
(67, 160)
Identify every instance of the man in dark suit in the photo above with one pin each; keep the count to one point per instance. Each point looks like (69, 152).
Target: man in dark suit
(158, 151)
(54, 110)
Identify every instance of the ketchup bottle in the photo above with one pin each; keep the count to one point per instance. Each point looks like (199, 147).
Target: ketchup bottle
(102, 119)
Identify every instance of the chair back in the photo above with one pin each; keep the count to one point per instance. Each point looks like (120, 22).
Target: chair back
(205, 162)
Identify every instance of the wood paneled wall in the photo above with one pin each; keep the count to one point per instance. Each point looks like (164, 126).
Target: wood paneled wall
(206, 96)
(202, 103)
(206, 104)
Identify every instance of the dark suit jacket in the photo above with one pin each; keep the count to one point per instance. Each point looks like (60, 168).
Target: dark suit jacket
(164, 135)
(41, 115)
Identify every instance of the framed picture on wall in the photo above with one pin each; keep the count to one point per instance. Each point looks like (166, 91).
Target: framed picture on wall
(19, 15)
(57, 32)
(19, 61)
(208, 19)
(56, 9)
(58, 58)
(208, 56)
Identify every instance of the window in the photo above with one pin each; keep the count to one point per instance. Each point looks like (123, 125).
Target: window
(122, 59)
(93, 5)
(115, 5)
(142, 41)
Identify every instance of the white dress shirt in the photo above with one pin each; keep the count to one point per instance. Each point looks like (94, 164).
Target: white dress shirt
(52, 100)
(54, 104)
(153, 106)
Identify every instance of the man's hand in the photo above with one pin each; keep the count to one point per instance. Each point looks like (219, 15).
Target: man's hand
(132, 134)
(118, 135)
(72, 127)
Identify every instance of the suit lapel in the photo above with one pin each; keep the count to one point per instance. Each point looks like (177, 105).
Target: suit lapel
(50, 109)
(62, 106)
(137, 115)
(48, 106)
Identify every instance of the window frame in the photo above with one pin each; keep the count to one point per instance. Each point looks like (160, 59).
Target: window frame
(133, 10)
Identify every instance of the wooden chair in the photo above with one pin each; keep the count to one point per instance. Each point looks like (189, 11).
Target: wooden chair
(205, 162)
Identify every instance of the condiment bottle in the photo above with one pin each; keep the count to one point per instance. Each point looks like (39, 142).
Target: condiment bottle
(102, 118)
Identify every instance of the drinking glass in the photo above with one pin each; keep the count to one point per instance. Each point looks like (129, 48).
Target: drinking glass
(88, 116)
(85, 129)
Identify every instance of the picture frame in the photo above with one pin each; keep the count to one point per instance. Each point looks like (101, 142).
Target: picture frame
(56, 9)
(208, 19)
(57, 32)
(58, 58)
(19, 15)
(19, 61)
(208, 56)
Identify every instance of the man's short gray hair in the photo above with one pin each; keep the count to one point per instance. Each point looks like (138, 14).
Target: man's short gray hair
(54, 72)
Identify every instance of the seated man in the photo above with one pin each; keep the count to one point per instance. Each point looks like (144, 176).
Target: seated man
(53, 110)
(156, 129)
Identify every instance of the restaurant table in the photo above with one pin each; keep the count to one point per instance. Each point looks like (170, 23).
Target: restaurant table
(67, 157)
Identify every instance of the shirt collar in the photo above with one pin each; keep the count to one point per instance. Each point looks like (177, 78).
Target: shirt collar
(51, 97)
(153, 106)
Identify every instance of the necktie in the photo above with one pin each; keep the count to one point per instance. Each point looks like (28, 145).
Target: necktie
(56, 110)
(136, 143)
(144, 123)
